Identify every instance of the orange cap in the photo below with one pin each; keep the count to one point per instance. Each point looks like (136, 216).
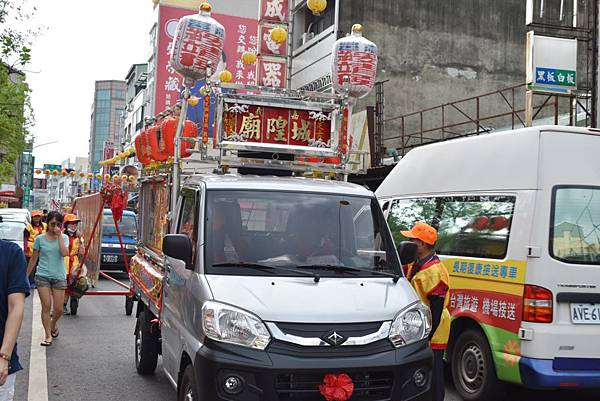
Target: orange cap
(36, 213)
(71, 218)
(422, 231)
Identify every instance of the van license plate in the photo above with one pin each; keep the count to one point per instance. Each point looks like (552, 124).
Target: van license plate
(585, 313)
(110, 258)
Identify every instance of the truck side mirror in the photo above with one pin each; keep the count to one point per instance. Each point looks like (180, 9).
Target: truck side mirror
(178, 246)
(407, 252)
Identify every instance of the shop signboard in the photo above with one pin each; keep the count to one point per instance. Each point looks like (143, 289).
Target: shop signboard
(303, 128)
(551, 64)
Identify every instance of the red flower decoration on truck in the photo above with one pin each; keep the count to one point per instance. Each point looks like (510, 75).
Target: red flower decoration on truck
(336, 387)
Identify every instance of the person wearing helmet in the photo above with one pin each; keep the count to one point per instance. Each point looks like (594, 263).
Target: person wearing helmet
(32, 231)
(75, 254)
(430, 279)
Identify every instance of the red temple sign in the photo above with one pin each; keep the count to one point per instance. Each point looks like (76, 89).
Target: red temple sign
(247, 123)
(274, 11)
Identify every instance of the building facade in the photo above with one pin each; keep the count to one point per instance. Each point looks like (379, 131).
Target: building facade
(65, 189)
(107, 118)
(137, 104)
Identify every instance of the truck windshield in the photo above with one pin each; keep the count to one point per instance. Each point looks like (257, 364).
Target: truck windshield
(127, 225)
(575, 230)
(290, 229)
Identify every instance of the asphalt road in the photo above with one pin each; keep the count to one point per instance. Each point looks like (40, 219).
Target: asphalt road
(92, 360)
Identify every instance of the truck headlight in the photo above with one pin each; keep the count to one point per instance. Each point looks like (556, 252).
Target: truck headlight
(229, 324)
(411, 325)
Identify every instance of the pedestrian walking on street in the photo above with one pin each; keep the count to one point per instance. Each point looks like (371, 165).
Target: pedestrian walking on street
(72, 261)
(430, 279)
(14, 287)
(32, 231)
(49, 250)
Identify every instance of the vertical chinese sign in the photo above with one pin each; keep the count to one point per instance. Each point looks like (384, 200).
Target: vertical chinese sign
(272, 60)
(108, 153)
(240, 36)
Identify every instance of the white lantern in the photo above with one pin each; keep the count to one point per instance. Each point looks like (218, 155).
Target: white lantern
(198, 40)
(354, 64)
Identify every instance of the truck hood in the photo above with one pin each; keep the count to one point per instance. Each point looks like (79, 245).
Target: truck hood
(301, 300)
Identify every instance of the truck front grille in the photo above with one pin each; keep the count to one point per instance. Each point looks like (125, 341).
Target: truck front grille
(368, 386)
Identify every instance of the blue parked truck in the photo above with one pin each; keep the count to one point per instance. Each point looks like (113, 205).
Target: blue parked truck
(112, 257)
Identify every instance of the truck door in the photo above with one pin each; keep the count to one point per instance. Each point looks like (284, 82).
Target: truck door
(174, 305)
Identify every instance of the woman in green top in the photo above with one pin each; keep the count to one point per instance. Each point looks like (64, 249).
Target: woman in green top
(49, 251)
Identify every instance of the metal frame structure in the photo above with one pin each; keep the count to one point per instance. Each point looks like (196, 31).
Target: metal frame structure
(467, 117)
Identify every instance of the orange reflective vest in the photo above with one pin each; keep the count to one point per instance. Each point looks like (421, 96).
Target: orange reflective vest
(33, 232)
(432, 279)
(72, 261)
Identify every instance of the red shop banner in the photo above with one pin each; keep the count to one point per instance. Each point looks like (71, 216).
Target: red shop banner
(276, 125)
(276, 11)
(268, 47)
(271, 72)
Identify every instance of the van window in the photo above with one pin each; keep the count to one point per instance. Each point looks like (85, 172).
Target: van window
(575, 225)
(405, 212)
(475, 226)
(188, 220)
(470, 226)
(153, 209)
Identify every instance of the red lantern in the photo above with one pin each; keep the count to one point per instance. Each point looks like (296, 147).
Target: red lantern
(481, 223)
(140, 150)
(169, 129)
(156, 141)
(498, 223)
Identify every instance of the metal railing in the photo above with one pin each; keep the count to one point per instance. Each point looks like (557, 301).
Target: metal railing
(494, 111)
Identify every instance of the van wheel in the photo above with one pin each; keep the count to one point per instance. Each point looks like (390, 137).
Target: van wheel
(187, 386)
(146, 345)
(473, 370)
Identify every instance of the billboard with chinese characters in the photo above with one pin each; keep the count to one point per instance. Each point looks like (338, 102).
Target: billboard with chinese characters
(271, 72)
(551, 64)
(275, 11)
(293, 127)
(272, 60)
(240, 36)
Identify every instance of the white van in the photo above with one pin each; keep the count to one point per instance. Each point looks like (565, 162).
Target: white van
(518, 219)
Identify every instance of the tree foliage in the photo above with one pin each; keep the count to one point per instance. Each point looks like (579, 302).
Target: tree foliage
(16, 116)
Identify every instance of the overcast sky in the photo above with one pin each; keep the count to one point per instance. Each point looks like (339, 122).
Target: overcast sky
(84, 42)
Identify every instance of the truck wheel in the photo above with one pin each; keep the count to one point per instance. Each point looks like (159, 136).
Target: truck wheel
(146, 345)
(187, 386)
(473, 370)
(128, 305)
(73, 305)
